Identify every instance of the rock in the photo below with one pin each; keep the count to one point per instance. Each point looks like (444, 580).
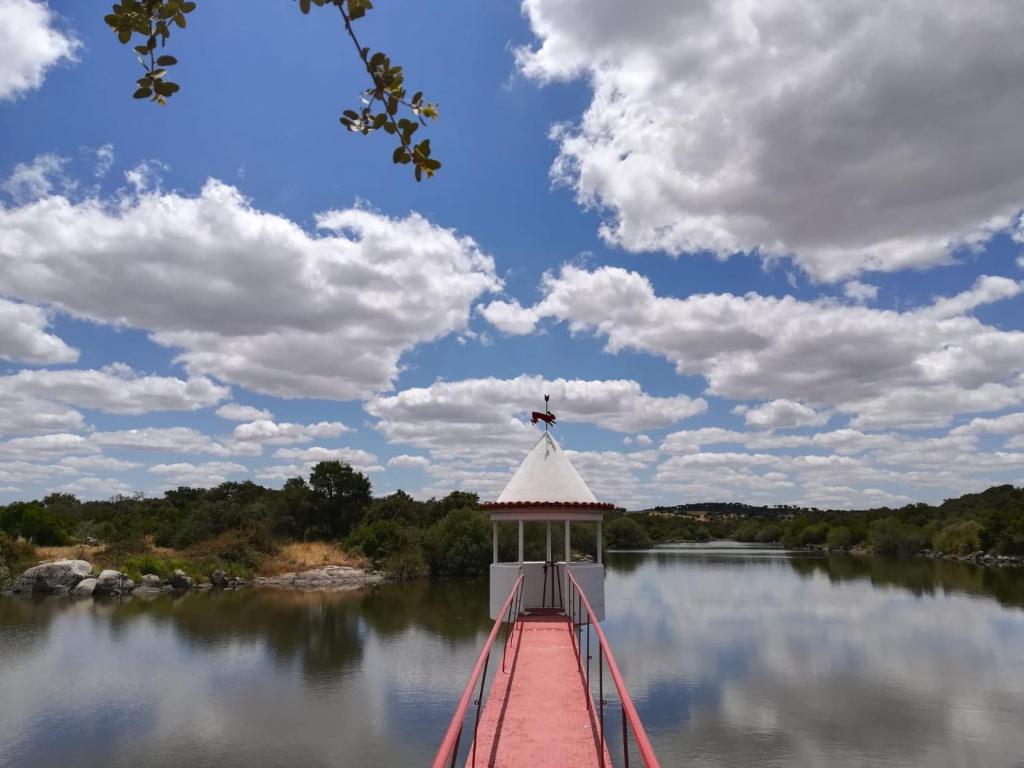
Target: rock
(180, 580)
(151, 580)
(146, 592)
(112, 582)
(56, 576)
(85, 588)
(327, 577)
(219, 579)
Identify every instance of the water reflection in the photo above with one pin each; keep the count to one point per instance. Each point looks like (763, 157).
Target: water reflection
(739, 657)
(735, 656)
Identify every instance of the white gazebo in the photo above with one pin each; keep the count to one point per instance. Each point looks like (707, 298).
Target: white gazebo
(547, 488)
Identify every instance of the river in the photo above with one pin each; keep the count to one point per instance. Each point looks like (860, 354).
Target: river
(734, 655)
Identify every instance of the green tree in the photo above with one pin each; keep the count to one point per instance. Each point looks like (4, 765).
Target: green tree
(459, 544)
(381, 102)
(341, 496)
(892, 536)
(626, 533)
(960, 538)
(839, 537)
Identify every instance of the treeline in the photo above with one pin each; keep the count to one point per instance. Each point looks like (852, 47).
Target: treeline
(990, 521)
(237, 526)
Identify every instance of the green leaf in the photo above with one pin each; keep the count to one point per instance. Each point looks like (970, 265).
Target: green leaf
(351, 114)
(124, 34)
(112, 20)
(304, 6)
(142, 50)
(166, 61)
(180, 21)
(419, 173)
(188, 7)
(142, 93)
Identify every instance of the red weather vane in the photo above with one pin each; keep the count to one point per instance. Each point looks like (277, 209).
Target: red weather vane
(547, 417)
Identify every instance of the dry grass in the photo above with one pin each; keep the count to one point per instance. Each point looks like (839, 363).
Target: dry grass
(304, 555)
(72, 552)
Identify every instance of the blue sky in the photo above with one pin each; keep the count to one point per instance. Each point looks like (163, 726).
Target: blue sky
(771, 255)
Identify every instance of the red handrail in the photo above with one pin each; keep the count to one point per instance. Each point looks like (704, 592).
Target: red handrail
(642, 742)
(451, 737)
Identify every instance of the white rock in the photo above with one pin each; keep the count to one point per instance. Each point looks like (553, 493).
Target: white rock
(55, 576)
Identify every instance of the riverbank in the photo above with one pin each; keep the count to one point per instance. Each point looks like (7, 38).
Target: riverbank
(79, 578)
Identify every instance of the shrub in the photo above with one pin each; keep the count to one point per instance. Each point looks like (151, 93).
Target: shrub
(407, 563)
(814, 534)
(768, 534)
(839, 537)
(892, 536)
(626, 533)
(459, 544)
(959, 538)
(381, 539)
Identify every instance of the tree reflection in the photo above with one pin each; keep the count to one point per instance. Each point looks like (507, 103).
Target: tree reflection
(921, 576)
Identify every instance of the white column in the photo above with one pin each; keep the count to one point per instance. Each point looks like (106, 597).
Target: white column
(599, 522)
(520, 542)
(549, 540)
(494, 540)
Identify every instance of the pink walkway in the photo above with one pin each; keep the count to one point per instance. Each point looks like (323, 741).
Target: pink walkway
(537, 713)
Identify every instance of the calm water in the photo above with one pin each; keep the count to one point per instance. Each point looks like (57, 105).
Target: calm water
(735, 656)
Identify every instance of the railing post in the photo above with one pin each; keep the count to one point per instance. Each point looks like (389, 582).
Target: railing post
(455, 752)
(600, 694)
(479, 702)
(625, 744)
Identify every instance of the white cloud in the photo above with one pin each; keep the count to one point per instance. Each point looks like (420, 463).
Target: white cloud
(98, 463)
(31, 181)
(45, 446)
(781, 414)
(249, 296)
(236, 412)
(266, 431)
(203, 475)
(114, 389)
(30, 415)
(637, 440)
(172, 440)
(619, 405)
(834, 132)
(918, 367)
(354, 456)
(855, 290)
(30, 45)
(24, 339)
(104, 160)
(406, 460)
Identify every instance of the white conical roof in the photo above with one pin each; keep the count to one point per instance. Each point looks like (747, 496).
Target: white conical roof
(546, 475)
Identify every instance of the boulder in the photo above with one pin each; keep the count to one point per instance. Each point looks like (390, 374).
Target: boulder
(85, 588)
(219, 579)
(180, 580)
(151, 580)
(56, 576)
(112, 582)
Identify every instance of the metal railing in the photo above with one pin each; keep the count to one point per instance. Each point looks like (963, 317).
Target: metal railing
(448, 752)
(578, 603)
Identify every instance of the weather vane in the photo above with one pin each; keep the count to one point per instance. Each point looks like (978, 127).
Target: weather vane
(547, 417)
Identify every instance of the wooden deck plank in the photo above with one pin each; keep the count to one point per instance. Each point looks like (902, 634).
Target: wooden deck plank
(537, 713)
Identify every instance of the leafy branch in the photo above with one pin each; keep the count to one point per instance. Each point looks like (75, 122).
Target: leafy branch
(381, 102)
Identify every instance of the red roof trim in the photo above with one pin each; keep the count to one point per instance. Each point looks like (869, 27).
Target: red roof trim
(528, 504)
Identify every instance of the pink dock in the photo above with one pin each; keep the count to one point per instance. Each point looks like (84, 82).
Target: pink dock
(549, 702)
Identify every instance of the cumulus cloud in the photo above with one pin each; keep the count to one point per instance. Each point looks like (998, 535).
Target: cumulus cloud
(248, 296)
(782, 413)
(31, 45)
(31, 415)
(237, 412)
(642, 440)
(172, 440)
(34, 180)
(202, 475)
(117, 388)
(832, 132)
(855, 290)
(270, 432)
(918, 367)
(24, 338)
(406, 460)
